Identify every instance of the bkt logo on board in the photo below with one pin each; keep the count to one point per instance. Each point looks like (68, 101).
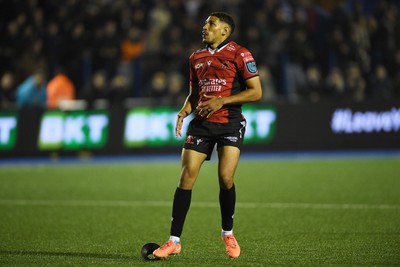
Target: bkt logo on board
(73, 130)
(156, 126)
(8, 130)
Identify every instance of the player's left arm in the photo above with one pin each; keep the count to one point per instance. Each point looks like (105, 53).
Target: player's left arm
(252, 93)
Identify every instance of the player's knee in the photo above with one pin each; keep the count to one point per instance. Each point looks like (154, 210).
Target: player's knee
(188, 178)
(189, 173)
(225, 183)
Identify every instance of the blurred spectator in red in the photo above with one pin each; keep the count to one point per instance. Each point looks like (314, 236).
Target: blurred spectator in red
(59, 88)
(132, 45)
(132, 48)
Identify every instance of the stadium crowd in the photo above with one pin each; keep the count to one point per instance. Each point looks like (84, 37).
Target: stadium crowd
(332, 50)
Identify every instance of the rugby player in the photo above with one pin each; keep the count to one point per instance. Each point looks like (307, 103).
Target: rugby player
(223, 76)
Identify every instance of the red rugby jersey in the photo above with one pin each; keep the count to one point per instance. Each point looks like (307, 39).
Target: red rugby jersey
(222, 72)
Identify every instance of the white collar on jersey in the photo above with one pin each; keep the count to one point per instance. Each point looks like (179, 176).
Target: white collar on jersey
(219, 48)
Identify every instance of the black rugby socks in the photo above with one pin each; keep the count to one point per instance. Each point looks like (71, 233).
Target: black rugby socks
(181, 204)
(227, 201)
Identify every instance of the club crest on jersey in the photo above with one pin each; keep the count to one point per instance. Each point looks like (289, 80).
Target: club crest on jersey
(251, 67)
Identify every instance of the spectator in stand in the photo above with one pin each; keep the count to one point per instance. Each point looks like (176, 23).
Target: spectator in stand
(132, 45)
(7, 90)
(361, 39)
(176, 88)
(158, 88)
(300, 53)
(267, 81)
(396, 74)
(341, 48)
(159, 20)
(59, 88)
(314, 87)
(340, 17)
(386, 14)
(132, 48)
(381, 86)
(31, 93)
(275, 50)
(335, 85)
(355, 83)
(119, 89)
(11, 44)
(75, 52)
(54, 46)
(108, 48)
(98, 88)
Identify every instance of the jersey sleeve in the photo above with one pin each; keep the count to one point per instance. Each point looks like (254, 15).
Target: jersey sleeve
(246, 64)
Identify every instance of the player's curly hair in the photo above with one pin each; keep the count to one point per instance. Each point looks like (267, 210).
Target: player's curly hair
(225, 17)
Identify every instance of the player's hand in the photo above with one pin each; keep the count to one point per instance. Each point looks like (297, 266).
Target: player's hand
(178, 125)
(209, 106)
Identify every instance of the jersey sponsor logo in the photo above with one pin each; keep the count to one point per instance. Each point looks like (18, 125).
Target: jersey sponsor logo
(211, 85)
(211, 88)
(198, 66)
(251, 67)
(212, 82)
(201, 65)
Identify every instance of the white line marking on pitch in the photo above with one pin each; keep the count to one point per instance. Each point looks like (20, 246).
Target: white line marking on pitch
(122, 203)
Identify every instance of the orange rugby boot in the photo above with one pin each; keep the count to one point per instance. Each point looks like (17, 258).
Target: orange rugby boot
(167, 249)
(232, 246)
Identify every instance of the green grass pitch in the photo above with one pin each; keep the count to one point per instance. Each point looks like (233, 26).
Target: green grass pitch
(290, 212)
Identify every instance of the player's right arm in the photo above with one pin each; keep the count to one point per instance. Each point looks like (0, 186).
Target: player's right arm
(187, 108)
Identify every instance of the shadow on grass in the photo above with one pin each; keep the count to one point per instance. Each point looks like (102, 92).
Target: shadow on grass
(66, 254)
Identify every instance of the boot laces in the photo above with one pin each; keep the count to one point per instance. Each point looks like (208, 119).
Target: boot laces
(166, 245)
(231, 241)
